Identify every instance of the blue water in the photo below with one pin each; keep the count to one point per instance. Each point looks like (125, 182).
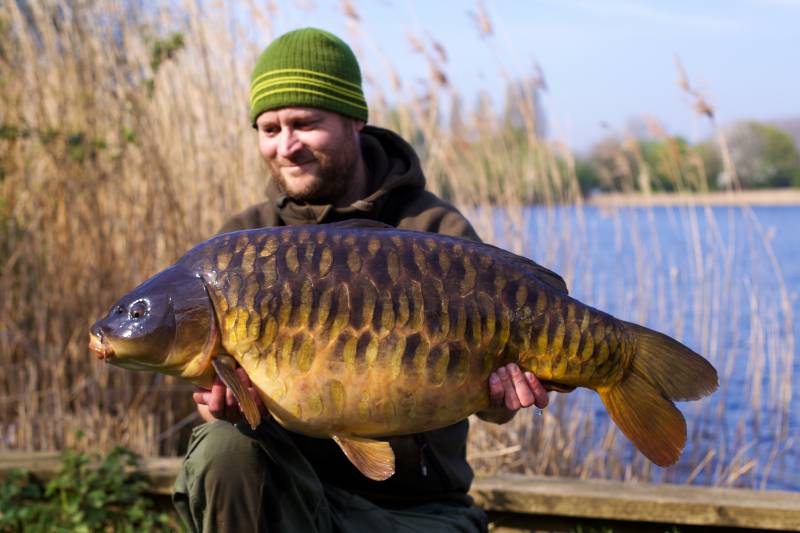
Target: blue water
(725, 281)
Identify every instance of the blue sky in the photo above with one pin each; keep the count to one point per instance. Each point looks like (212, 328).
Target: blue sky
(604, 62)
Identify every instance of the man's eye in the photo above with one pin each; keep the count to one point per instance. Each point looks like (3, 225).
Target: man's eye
(138, 310)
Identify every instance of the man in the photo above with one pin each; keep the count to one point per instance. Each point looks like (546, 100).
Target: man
(327, 165)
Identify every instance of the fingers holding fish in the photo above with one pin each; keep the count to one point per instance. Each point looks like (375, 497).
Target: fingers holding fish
(511, 398)
(510, 388)
(205, 399)
(220, 401)
(541, 399)
(496, 391)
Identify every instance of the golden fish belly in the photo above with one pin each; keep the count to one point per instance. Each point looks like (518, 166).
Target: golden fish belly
(368, 381)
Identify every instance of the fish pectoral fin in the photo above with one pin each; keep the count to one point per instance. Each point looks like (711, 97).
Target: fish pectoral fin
(558, 387)
(373, 458)
(225, 366)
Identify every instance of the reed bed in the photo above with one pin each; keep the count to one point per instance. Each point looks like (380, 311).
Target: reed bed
(125, 141)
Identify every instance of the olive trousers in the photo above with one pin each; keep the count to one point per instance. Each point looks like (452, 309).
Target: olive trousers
(242, 480)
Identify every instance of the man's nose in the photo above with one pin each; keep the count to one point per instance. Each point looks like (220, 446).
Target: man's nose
(289, 144)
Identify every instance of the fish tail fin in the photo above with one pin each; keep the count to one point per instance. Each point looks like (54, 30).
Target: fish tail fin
(650, 421)
(662, 370)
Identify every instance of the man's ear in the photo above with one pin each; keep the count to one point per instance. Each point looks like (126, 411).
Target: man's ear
(358, 125)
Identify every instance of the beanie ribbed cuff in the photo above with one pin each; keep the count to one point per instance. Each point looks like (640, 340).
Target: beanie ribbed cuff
(282, 87)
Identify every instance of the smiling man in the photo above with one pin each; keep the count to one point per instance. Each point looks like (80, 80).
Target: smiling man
(307, 152)
(327, 165)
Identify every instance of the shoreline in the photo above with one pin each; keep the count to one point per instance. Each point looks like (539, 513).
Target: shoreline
(758, 197)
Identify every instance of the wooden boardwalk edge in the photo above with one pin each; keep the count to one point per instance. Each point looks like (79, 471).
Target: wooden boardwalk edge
(551, 496)
(640, 502)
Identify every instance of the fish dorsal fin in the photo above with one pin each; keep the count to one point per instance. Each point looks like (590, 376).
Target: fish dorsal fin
(543, 274)
(360, 223)
(373, 458)
(225, 366)
(550, 278)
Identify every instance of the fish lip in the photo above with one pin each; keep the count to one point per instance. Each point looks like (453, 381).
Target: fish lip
(101, 349)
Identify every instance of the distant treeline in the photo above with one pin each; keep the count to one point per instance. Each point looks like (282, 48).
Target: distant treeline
(746, 155)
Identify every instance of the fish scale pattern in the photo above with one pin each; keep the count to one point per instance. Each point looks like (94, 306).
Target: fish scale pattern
(386, 333)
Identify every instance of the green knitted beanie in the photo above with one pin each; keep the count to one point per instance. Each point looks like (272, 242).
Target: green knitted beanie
(310, 68)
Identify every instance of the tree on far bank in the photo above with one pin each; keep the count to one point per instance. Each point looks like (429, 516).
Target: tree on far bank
(762, 154)
(639, 164)
(665, 159)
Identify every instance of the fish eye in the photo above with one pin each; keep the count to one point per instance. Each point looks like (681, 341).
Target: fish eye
(138, 309)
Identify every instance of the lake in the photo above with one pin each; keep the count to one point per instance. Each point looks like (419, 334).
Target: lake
(723, 280)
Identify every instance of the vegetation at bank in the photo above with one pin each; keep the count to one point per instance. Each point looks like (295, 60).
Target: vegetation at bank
(89, 493)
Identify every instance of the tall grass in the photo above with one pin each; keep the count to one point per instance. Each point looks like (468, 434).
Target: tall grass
(124, 141)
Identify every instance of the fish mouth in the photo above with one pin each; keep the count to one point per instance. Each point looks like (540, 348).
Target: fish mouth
(100, 347)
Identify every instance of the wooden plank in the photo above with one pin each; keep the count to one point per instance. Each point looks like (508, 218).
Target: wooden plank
(644, 502)
(548, 496)
(160, 471)
(44, 464)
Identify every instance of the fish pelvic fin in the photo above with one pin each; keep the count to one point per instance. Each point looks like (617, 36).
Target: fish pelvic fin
(662, 371)
(558, 387)
(373, 458)
(225, 366)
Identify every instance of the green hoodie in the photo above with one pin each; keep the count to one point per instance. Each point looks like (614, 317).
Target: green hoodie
(430, 465)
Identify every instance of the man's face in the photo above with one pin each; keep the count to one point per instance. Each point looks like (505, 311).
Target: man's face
(310, 152)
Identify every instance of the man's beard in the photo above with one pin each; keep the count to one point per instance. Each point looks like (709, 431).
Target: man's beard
(331, 179)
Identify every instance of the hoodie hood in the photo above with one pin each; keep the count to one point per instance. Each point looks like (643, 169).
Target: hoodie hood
(391, 164)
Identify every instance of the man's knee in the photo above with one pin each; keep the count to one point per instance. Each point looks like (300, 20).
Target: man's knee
(221, 480)
(219, 455)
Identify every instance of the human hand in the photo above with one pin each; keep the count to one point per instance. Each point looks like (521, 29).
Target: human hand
(218, 402)
(509, 387)
(511, 390)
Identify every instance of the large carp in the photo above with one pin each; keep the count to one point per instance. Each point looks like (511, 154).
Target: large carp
(358, 330)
